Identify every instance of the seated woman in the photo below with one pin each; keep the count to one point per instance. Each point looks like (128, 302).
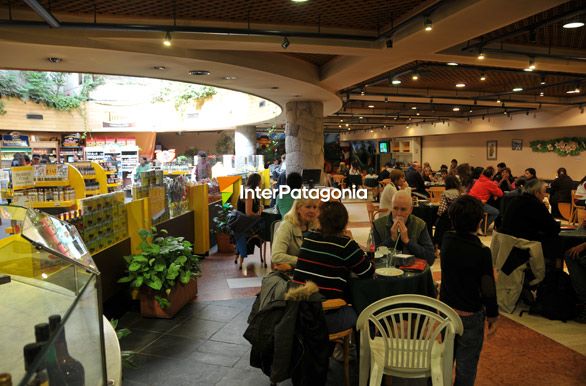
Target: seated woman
(428, 175)
(507, 182)
(526, 217)
(328, 258)
(288, 238)
(398, 181)
(560, 190)
(252, 208)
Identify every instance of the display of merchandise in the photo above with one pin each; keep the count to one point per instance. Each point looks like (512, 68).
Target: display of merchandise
(101, 220)
(177, 195)
(50, 172)
(94, 177)
(31, 197)
(7, 154)
(49, 148)
(151, 185)
(113, 176)
(127, 155)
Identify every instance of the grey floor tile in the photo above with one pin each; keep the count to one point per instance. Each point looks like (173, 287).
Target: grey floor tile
(224, 348)
(128, 320)
(231, 333)
(244, 377)
(138, 339)
(217, 313)
(226, 360)
(172, 346)
(157, 325)
(197, 328)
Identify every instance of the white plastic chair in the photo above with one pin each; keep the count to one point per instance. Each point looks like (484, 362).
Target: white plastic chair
(406, 341)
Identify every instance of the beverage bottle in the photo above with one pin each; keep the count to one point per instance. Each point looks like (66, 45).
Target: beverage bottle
(370, 246)
(5, 379)
(71, 369)
(42, 336)
(40, 377)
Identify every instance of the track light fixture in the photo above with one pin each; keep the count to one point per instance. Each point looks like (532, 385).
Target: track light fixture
(542, 82)
(481, 55)
(389, 43)
(482, 77)
(285, 43)
(427, 24)
(531, 65)
(167, 39)
(415, 76)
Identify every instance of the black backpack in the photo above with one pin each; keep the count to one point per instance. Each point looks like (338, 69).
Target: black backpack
(556, 298)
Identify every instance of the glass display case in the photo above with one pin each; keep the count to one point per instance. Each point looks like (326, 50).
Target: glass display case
(50, 301)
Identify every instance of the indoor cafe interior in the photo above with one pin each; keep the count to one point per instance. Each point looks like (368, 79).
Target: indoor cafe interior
(445, 142)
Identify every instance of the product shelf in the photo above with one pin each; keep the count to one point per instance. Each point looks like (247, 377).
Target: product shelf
(51, 184)
(52, 204)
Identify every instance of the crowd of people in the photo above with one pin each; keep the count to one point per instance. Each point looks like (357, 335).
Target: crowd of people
(313, 242)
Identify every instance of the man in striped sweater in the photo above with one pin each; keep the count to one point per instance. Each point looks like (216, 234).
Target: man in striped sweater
(328, 257)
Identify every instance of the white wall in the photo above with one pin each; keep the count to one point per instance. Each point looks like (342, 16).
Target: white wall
(471, 148)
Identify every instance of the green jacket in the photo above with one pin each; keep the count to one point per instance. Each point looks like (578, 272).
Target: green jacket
(420, 243)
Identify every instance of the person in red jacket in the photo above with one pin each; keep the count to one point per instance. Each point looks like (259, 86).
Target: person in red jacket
(484, 189)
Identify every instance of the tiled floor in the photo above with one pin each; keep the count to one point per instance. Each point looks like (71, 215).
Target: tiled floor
(202, 345)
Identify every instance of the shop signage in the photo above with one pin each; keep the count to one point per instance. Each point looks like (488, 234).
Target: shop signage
(71, 140)
(15, 140)
(118, 124)
(22, 177)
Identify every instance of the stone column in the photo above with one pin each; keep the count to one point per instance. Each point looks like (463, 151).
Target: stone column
(304, 136)
(245, 140)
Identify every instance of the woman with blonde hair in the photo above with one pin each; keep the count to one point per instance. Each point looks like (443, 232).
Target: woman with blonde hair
(288, 238)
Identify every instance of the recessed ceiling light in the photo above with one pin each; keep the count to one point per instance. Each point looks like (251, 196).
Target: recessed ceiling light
(54, 59)
(199, 72)
(417, 114)
(360, 117)
(517, 89)
(415, 76)
(541, 93)
(452, 64)
(414, 108)
(483, 77)
(371, 106)
(160, 68)
(498, 100)
(573, 24)
(396, 81)
(341, 120)
(456, 109)
(346, 125)
(460, 85)
(230, 78)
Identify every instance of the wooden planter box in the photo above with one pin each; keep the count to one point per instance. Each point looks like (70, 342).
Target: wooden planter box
(179, 297)
(224, 244)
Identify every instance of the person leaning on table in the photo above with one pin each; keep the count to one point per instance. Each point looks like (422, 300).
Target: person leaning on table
(287, 240)
(409, 230)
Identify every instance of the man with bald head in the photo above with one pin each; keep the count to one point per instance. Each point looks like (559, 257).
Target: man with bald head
(407, 231)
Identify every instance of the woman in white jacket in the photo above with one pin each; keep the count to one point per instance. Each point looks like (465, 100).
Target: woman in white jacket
(288, 238)
(397, 183)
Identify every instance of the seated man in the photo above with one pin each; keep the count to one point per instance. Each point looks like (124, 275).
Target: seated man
(403, 229)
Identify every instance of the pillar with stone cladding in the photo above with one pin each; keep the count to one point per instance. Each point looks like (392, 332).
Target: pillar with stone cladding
(304, 136)
(245, 140)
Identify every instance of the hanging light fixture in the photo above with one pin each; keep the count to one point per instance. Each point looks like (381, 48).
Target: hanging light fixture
(573, 24)
(481, 55)
(483, 77)
(531, 65)
(167, 39)
(415, 76)
(427, 24)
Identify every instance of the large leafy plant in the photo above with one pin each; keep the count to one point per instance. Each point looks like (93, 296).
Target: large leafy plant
(221, 219)
(163, 262)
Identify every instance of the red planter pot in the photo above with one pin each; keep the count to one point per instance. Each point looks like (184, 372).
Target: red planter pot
(180, 295)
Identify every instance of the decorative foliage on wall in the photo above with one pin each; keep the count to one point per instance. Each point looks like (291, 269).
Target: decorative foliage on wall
(2, 109)
(562, 146)
(184, 94)
(47, 88)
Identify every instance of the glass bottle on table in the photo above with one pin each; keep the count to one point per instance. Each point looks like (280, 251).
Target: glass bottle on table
(370, 247)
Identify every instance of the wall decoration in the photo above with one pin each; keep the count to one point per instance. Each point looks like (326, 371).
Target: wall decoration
(562, 146)
(517, 144)
(491, 148)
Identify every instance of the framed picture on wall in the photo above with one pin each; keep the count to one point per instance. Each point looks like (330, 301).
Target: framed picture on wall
(491, 147)
(517, 144)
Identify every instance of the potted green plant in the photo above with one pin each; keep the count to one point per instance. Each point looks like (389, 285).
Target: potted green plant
(222, 229)
(164, 273)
